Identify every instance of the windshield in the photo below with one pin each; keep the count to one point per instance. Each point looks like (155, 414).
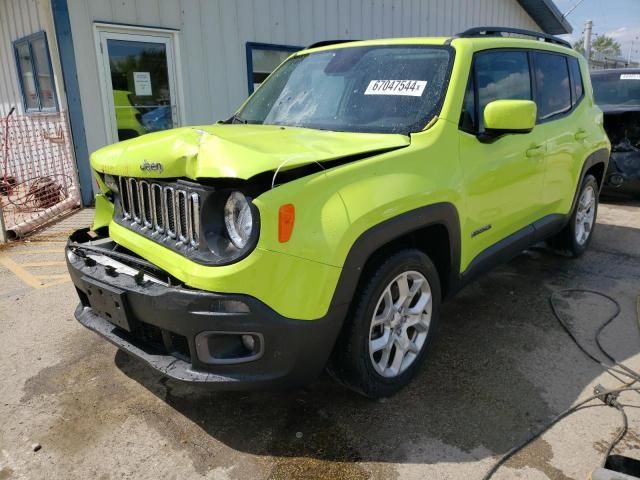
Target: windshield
(388, 89)
(617, 88)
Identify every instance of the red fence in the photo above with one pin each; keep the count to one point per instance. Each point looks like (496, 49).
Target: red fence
(38, 178)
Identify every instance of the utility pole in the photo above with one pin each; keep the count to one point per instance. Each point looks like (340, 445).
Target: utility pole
(630, 51)
(587, 39)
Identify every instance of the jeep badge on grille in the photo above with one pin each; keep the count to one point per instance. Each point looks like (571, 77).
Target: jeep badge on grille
(147, 166)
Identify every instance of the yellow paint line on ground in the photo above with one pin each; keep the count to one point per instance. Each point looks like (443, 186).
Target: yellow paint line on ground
(42, 264)
(20, 272)
(38, 252)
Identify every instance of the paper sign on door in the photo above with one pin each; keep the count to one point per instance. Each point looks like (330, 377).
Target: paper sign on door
(142, 82)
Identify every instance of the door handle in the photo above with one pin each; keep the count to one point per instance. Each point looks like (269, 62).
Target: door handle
(581, 134)
(535, 151)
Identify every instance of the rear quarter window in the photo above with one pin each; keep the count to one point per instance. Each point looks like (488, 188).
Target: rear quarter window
(553, 87)
(577, 90)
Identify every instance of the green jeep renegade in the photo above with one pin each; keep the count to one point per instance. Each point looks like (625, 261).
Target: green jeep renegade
(324, 223)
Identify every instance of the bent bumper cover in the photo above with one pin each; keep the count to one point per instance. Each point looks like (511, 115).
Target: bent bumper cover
(165, 320)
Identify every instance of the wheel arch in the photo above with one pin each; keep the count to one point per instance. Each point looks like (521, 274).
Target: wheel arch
(596, 164)
(433, 229)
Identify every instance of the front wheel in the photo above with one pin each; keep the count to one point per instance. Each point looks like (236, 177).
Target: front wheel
(576, 235)
(386, 340)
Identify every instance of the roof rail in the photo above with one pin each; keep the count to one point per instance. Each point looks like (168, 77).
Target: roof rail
(325, 43)
(499, 31)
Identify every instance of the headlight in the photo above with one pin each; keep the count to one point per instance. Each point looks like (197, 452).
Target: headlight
(238, 219)
(111, 182)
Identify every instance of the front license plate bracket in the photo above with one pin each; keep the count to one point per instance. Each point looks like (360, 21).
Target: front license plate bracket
(108, 302)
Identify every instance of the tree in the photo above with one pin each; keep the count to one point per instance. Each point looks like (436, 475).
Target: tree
(602, 44)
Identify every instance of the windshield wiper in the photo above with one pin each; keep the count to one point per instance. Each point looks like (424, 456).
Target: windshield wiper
(235, 119)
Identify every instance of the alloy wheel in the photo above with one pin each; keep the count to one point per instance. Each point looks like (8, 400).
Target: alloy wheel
(585, 215)
(400, 324)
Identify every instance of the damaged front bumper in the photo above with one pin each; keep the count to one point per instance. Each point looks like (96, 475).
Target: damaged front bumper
(623, 174)
(228, 341)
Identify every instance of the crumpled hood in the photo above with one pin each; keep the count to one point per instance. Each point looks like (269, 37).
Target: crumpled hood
(234, 151)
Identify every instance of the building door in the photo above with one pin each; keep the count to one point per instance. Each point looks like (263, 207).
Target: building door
(139, 81)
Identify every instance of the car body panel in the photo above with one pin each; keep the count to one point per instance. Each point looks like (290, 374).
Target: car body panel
(234, 151)
(488, 184)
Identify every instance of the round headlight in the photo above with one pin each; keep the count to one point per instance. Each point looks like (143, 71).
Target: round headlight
(238, 219)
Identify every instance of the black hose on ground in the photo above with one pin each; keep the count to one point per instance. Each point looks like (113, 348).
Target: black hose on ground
(607, 396)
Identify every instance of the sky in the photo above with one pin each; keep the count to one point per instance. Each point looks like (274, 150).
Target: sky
(619, 19)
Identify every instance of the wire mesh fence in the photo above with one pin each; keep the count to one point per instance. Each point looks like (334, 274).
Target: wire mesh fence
(38, 179)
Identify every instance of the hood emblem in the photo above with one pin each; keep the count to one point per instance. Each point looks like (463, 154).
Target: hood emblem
(147, 166)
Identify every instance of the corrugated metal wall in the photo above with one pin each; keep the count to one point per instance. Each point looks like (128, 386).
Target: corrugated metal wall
(213, 34)
(19, 18)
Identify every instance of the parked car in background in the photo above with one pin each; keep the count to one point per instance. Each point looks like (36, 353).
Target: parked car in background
(617, 93)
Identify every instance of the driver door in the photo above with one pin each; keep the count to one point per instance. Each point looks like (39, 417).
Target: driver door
(503, 178)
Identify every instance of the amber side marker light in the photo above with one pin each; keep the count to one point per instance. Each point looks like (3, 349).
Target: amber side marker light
(286, 219)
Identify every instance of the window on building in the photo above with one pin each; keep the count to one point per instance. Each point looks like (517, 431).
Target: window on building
(35, 74)
(501, 75)
(264, 58)
(553, 89)
(576, 80)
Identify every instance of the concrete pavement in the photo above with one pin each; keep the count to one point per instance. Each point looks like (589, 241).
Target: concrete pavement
(501, 369)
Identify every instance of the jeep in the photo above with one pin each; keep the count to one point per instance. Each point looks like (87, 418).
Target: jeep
(322, 225)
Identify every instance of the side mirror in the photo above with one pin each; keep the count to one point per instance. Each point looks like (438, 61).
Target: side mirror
(509, 116)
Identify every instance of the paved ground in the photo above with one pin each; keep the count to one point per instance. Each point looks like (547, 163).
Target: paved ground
(502, 368)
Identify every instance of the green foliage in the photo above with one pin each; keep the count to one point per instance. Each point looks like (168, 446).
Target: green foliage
(602, 44)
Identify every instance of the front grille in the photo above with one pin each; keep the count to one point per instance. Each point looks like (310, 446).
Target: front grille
(168, 212)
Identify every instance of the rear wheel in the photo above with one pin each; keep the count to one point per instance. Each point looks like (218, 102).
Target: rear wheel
(383, 345)
(576, 235)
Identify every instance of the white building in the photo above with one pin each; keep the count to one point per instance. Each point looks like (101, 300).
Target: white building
(95, 71)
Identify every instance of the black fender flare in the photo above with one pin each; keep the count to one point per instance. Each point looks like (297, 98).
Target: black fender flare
(599, 156)
(443, 213)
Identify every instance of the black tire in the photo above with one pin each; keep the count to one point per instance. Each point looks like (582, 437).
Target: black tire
(566, 240)
(351, 363)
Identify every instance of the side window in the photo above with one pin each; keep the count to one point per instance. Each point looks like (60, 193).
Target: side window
(576, 80)
(553, 89)
(501, 75)
(34, 70)
(468, 114)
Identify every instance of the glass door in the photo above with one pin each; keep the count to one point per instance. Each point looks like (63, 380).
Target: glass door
(140, 83)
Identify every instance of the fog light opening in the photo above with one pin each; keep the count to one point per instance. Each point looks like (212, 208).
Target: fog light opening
(249, 342)
(216, 348)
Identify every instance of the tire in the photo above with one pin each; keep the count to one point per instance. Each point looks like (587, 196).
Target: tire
(353, 363)
(576, 236)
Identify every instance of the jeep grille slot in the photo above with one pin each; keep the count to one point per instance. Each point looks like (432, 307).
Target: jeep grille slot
(124, 192)
(161, 211)
(156, 204)
(182, 209)
(169, 208)
(145, 203)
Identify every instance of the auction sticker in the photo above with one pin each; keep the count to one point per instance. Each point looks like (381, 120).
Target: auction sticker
(630, 76)
(411, 88)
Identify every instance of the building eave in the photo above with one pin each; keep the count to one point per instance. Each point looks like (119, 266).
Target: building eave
(547, 16)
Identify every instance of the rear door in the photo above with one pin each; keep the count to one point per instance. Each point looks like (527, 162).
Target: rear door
(558, 95)
(503, 178)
